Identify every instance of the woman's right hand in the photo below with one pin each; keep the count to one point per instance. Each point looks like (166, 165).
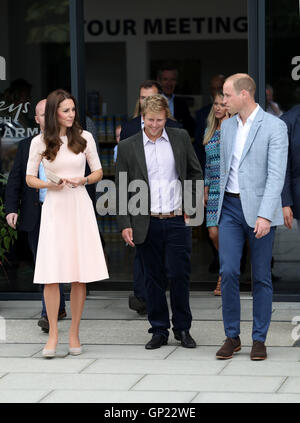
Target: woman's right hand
(56, 187)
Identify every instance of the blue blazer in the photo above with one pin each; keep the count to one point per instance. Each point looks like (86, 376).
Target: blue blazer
(291, 190)
(262, 166)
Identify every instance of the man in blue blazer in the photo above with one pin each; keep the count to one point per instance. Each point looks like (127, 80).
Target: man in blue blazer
(291, 190)
(253, 158)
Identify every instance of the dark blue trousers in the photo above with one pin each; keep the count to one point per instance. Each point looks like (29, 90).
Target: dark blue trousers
(139, 288)
(233, 231)
(165, 255)
(33, 239)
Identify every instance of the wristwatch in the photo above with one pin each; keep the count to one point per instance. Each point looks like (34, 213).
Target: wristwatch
(86, 182)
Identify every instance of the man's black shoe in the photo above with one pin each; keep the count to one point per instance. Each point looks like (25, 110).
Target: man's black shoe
(44, 324)
(137, 304)
(185, 338)
(62, 314)
(142, 312)
(156, 342)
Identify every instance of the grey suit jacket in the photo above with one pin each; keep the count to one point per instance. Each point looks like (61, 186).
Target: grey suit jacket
(131, 160)
(262, 166)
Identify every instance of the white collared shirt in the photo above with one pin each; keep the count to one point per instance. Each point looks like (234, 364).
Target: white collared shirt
(240, 140)
(165, 187)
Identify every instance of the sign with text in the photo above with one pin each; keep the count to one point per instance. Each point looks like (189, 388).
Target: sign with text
(165, 21)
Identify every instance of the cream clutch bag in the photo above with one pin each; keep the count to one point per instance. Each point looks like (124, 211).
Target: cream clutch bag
(53, 177)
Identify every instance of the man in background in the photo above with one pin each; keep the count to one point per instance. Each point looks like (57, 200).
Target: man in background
(168, 78)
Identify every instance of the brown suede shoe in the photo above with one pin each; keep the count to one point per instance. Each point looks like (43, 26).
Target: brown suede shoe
(258, 351)
(229, 347)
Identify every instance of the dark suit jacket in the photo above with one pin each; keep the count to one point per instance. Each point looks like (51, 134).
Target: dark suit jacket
(182, 115)
(18, 195)
(133, 126)
(291, 190)
(131, 159)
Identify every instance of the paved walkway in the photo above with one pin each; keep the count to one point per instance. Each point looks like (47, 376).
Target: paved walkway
(115, 366)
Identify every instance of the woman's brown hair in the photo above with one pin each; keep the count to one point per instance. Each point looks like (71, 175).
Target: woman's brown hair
(76, 142)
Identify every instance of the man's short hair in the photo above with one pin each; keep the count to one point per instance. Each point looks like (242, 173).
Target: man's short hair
(243, 81)
(149, 83)
(156, 103)
(166, 67)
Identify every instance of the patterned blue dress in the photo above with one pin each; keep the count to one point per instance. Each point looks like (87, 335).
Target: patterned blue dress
(212, 177)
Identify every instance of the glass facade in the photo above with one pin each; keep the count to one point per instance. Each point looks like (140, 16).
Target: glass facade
(282, 94)
(121, 50)
(35, 46)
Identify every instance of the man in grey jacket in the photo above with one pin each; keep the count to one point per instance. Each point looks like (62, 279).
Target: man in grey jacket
(160, 163)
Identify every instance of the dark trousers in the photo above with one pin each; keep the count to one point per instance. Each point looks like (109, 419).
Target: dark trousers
(33, 240)
(139, 288)
(233, 231)
(165, 255)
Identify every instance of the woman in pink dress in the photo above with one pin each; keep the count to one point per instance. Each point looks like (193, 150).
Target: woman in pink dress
(69, 248)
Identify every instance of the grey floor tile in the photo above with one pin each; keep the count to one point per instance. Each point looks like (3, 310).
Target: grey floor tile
(210, 383)
(262, 368)
(286, 306)
(33, 365)
(291, 385)
(77, 382)
(152, 367)
(121, 351)
(19, 309)
(118, 397)
(20, 350)
(233, 397)
(286, 315)
(135, 332)
(208, 353)
(21, 396)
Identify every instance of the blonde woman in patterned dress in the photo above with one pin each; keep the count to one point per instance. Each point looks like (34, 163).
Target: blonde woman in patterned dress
(212, 170)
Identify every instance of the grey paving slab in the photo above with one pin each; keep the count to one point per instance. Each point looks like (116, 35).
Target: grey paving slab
(19, 309)
(209, 383)
(233, 397)
(209, 353)
(291, 385)
(266, 368)
(77, 382)
(136, 332)
(33, 365)
(137, 366)
(118, 397)
(20, 350)
(21, 396)
(286, 306)
(123, 351)
(286, 315)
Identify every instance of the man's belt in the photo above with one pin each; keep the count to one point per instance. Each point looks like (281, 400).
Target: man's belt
(174, 213)
(232, 194)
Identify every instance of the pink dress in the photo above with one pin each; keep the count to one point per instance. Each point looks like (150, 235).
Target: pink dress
(69, 248)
